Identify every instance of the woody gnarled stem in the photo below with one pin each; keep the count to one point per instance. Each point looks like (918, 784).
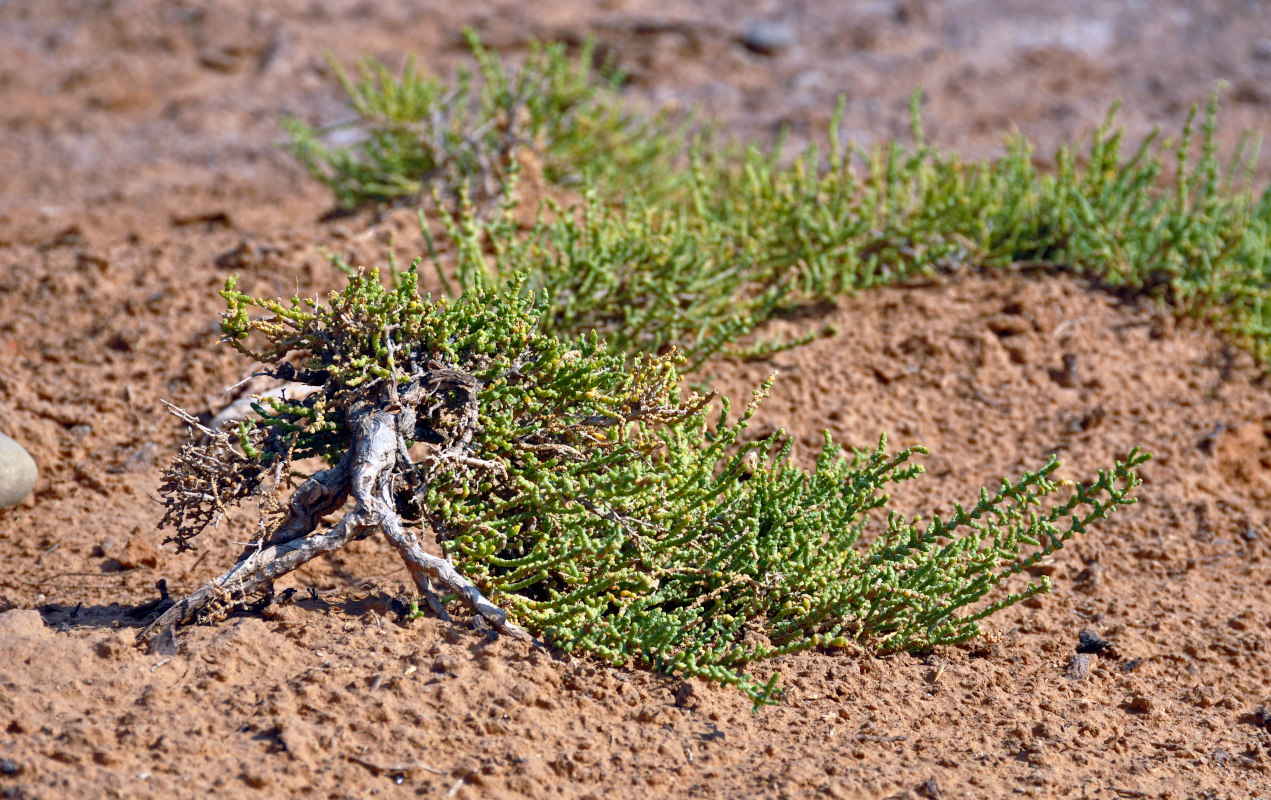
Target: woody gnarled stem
(366, 473)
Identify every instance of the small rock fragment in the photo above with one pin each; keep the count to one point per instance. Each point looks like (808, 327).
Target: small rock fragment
(1088, 580)
(1067, 377)
(1079, 667)
(1091, 642)
(524, 692)
(768, 38)
(930, 789)
(17, 472)
(1260, 716)
(21, 622)
(686, 696)
(254, 777)
(1139, 703)
(165, 644)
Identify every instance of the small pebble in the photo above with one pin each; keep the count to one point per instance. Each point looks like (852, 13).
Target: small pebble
(21, 623)
(1079, 667)
(1139, 703)
(1091, 642)
(1260, 717)
(768, 38)
(17, 472)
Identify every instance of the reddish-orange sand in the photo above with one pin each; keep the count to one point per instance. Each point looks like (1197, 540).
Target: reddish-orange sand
(138, 171)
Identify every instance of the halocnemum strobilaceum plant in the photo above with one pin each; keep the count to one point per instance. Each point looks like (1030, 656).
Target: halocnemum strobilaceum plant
(585, 497)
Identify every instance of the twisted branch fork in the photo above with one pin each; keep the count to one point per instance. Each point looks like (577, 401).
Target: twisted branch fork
(366, 473)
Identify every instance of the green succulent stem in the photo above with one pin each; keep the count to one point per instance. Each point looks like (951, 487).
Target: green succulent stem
(603, 508)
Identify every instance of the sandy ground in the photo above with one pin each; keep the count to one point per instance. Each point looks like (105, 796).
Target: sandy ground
(138, 170)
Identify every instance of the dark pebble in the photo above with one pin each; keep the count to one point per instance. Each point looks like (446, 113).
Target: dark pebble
(1260, 717)
(768, 38)
(1091, 642)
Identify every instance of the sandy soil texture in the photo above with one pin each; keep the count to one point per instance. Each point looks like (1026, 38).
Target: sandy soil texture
(138, 171)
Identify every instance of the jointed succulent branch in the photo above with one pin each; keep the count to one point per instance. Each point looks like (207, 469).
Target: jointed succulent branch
(584, 496)
(416, 134)
(752, 235)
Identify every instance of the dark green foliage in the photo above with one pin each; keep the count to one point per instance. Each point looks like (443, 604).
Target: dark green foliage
(612, 515)
(416, 133)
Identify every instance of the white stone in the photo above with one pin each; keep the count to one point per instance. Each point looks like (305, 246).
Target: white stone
(17, 472)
